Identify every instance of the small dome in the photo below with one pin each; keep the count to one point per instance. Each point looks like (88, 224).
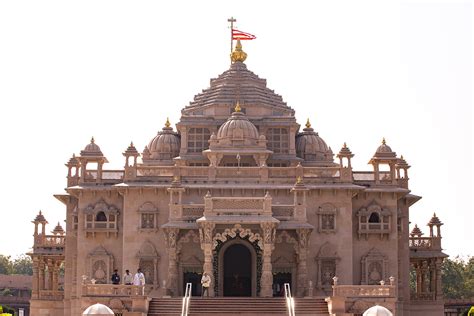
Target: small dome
(131, 150)
(401, 163)
(311, 147)
(416, 231)
(434, 221)
(384, 151)
(40, 218)
(237, 127)
(92, 150)
(345, 151)
(164, 146)
(58, 230)
(73, 162)
(377, 311)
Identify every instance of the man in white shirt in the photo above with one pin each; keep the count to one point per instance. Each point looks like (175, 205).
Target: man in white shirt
(206, 283)
(127, 278)
(139, 280)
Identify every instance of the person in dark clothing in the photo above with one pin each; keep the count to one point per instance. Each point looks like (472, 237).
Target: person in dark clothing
(115, 277)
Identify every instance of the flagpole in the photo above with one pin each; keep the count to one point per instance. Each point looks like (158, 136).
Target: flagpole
(231, 20)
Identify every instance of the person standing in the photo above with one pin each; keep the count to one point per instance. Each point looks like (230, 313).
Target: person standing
(127, 278)
(206, 283)
(139, 280)
(115, 277)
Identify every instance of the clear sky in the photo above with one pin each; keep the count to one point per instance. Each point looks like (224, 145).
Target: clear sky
(360, 70)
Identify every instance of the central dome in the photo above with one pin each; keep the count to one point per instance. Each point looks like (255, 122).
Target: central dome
(237, 127)
(238, 83)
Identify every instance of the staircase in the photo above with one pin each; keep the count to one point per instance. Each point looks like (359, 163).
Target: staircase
(242, 306)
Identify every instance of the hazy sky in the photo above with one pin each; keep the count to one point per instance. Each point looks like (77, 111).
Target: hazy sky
(360, 70)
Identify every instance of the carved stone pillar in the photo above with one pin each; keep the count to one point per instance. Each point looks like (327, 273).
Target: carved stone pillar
(171, 235)
(266, 282)
(206, 233)
(302, 270)
(55, 275)
(439, 286)
(41, 275)
(155, 274)
(35, 283)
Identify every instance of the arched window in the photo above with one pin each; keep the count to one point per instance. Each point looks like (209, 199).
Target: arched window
(100, 217)
(198, 139)
(374, 218)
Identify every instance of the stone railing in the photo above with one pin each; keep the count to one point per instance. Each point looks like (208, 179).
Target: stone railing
(283, 212)
(425, 243)
(192, 211)
(154, 171)
(359, 291)
(54, 241)
(321, 172)
(429, 296)
(112, 290)
(51, 295)
(237, 205)
(220, 173)
(237, 172)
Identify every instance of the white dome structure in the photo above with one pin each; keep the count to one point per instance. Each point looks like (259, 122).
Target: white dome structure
(377, 311)
(98, 309)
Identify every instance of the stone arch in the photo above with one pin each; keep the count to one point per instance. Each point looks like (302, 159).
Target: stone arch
(148, 259)
(240, 234)
(326, 260)
(238, 230)
(374, 267)
(220, 256)
(100, 265)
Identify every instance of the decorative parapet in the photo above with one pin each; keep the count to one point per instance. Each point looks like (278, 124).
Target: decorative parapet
(237, 206)
(112, 290)
(425, 243)
(49, 241)
(364, 291)
(355, 299)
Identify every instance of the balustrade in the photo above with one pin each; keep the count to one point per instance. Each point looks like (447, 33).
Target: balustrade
(425, 243)
(112, 290)
(49, 241)
(360, 291)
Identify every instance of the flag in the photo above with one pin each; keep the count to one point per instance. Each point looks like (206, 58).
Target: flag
(239, 35)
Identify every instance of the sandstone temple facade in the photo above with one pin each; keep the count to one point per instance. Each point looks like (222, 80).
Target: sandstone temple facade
(241, 191)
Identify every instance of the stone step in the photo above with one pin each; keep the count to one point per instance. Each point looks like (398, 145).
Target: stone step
(243, 306)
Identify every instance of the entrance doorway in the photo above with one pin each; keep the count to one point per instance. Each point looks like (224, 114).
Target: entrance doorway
(237, 271)
(195, 279)
(279, 280)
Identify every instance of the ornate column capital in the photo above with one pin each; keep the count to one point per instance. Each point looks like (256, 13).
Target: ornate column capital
(171, 235)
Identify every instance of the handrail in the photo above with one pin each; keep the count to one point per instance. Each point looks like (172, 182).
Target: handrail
(290, 302)
(186, 298)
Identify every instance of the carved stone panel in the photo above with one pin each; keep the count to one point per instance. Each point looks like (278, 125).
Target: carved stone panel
(374, 267)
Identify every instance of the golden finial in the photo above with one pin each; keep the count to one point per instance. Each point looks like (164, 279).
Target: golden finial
(383, 141)
(238, 54)
(92, 140)
(167, 123)
(308, 124)
(237, 107)
(299, 180)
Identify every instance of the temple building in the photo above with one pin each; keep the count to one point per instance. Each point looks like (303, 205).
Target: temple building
(239, 190)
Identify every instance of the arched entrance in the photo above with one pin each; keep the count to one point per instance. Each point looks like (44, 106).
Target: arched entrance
(238, 270)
